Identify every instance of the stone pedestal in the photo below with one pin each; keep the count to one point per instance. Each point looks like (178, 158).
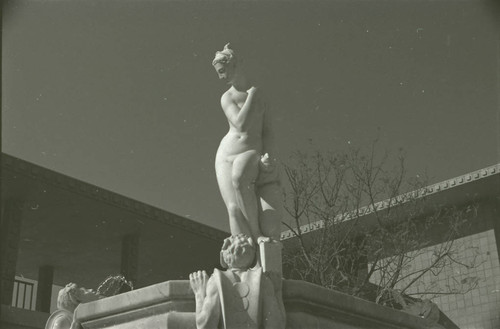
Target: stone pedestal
(270, 257)
(165, 305)
(171, 304)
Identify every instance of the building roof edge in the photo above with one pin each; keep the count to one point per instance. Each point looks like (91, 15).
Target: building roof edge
(112, 198)
(425, 191)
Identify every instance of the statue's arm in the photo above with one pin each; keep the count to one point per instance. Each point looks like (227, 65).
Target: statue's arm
(208, 310)
(239, 118)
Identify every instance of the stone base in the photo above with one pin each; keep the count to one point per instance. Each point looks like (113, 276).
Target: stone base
(171, 304)
(165, 305)
(170, 320)
(270, 257)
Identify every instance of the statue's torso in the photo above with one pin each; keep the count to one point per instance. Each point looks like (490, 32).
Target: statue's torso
(238, 141)
(240, 299)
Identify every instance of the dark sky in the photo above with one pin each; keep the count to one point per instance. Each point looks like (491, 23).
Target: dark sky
(122, 94)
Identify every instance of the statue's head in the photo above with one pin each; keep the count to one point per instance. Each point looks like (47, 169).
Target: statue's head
(72, 295)
(238, 251)
(224, 63)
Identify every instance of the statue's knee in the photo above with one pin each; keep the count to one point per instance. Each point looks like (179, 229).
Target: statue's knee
(237, 181)
(240, 182)
(233, 210)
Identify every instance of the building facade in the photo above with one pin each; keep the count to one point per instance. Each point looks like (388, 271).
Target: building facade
(56, 230)
(475, 274)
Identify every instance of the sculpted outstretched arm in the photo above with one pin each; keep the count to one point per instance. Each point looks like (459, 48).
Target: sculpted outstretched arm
(207, 300)
(239, 118)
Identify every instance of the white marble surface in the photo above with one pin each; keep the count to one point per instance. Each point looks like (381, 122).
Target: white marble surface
(171, 305)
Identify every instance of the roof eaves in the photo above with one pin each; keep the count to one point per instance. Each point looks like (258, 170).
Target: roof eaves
(403, 198)
(94, 192)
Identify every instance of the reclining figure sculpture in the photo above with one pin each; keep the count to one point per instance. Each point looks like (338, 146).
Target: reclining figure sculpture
(73, 295)
(67, 301)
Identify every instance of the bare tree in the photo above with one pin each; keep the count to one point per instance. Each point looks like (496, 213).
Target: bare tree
(370, 223)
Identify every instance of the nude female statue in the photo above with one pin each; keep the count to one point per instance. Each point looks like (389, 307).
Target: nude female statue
(243, 152)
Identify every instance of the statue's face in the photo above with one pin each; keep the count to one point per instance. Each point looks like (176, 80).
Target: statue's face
(225, 71)
(72, 295)
(243, 258)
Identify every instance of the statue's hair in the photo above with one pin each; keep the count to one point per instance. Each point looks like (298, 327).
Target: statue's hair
(236, 245)
(224, 56)
(113, 285)
(66, 299)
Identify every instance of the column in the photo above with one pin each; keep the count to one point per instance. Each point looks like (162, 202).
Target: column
(44, 290)
(9, 236)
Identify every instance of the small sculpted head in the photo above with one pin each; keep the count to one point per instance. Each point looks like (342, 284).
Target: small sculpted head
(72, 295)
(224, 63)
(238, 252)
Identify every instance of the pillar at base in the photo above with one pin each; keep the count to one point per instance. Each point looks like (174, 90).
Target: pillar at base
(270, 256)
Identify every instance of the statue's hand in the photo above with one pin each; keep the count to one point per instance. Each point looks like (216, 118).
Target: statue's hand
(266, 164)
(263, 239)
(198, 281)
(252, 90)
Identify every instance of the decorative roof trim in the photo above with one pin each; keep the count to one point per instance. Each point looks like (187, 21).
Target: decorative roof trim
(114, 199)
(425, 191)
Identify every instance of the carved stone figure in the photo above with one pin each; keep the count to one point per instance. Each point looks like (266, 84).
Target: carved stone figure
(67, 300)
(241, 296)
(246, 173)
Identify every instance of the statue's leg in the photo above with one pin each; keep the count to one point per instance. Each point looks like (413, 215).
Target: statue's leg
(245, 171)
(237, 222)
